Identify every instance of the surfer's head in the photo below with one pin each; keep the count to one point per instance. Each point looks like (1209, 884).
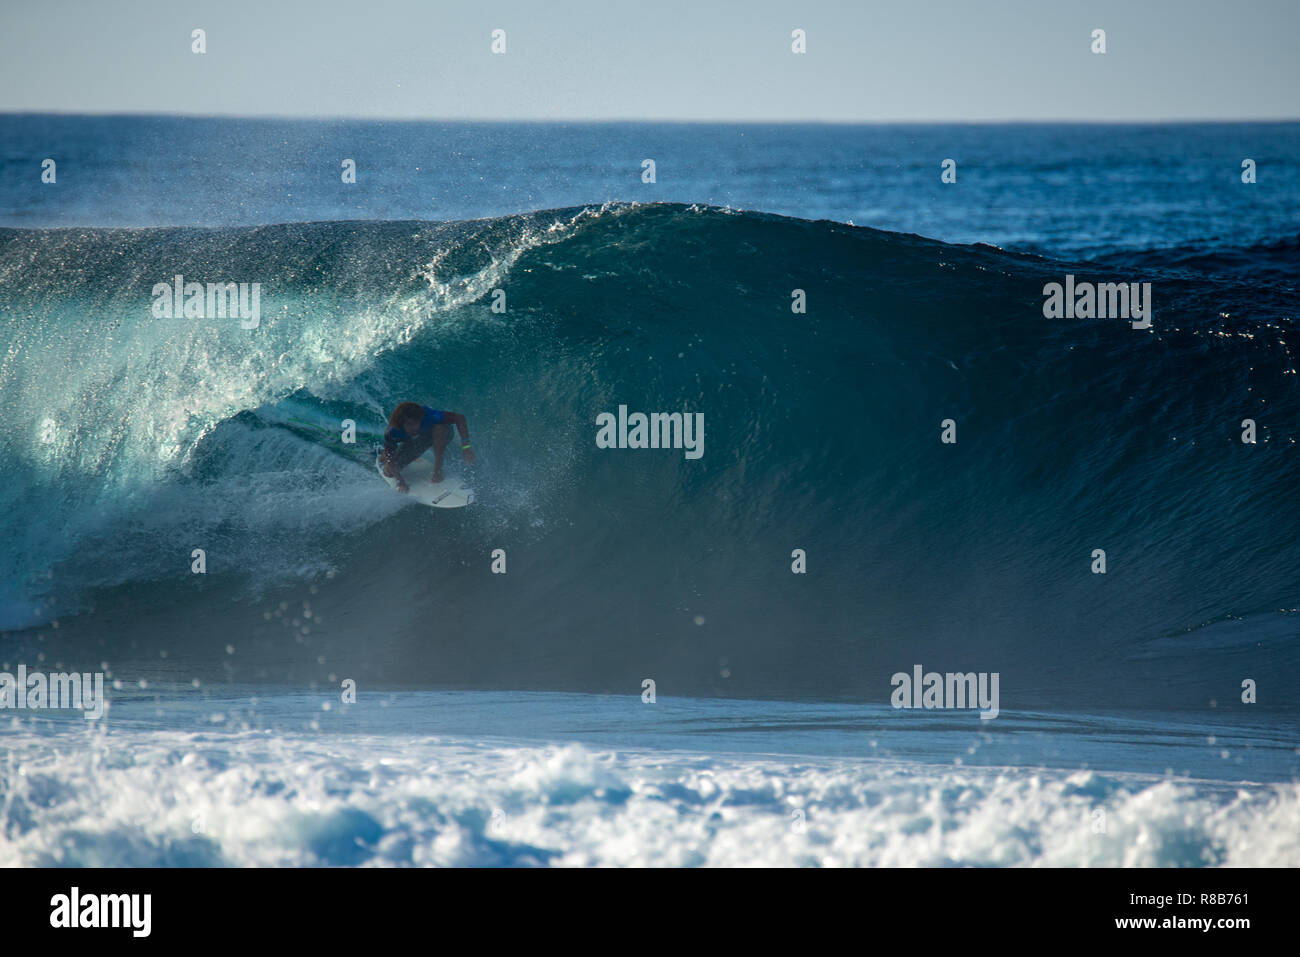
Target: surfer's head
(407, 417)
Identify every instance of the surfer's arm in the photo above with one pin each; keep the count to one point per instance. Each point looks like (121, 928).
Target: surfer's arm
(458, 420)
(462, 426)
(389, 459)
(392, 471)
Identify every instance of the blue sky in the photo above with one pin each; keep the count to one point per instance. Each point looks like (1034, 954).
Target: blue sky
(923, 60)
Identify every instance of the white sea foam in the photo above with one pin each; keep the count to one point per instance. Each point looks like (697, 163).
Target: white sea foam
(145, 798)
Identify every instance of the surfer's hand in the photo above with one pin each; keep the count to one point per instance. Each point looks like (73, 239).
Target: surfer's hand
(402, 486)
(468, 456)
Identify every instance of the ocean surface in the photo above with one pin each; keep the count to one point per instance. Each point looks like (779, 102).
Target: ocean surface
(1146, 716)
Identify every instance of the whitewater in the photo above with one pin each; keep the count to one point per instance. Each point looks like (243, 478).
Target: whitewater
(268, 778)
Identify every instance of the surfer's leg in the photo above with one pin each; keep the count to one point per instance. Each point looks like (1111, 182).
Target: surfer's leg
(441, 436)
(411, 450)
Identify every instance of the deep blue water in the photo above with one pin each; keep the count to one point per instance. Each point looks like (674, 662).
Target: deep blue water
(1080, 189)
(132, 439)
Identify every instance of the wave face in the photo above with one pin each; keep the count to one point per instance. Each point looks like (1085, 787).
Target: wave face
(131, 440)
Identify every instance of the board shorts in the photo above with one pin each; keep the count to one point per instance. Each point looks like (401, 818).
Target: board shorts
(412, 449)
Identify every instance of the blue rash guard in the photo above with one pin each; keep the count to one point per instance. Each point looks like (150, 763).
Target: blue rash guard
(432, 417)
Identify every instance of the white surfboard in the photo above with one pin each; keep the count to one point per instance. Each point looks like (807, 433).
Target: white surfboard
(451, 492)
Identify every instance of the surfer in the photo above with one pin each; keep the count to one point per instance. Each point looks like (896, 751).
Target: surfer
(412, 429)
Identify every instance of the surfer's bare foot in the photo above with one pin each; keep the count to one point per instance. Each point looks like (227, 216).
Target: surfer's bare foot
(436, 477)
(403, 487)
